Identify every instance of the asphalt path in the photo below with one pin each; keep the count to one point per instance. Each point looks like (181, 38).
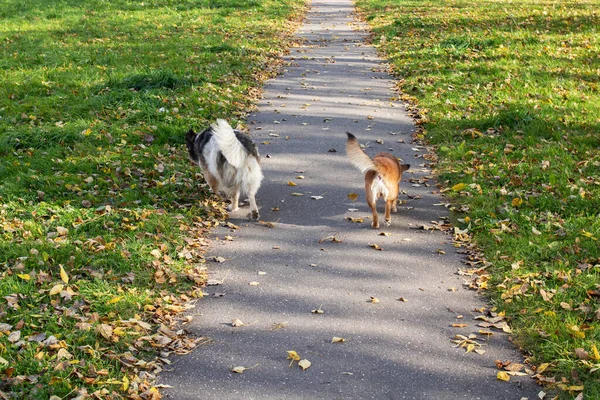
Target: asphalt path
(274, 277)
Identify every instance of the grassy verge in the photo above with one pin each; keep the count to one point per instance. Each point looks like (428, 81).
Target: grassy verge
(101, 214)
(508, 93)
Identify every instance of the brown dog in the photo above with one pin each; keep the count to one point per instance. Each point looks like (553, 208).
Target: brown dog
(383, 174)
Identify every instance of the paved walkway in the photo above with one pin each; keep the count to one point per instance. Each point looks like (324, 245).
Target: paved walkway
(392, 349)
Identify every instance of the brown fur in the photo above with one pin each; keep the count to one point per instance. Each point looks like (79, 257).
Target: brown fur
(383, 174)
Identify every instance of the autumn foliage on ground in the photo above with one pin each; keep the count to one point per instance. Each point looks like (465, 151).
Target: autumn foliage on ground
(101, 215)
(509, 94)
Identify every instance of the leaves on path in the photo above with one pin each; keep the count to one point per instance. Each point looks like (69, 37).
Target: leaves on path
(304, 364)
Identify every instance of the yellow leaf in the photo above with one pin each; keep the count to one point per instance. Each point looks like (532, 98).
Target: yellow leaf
(575, 388)
(292, 355)
(542, 368)
(503, 376)
(459, 186)
(353, 196)
(290, 183)
(56, 289)
(26, 277)
(516, 202)
(125, 383)
(337, 340)
(63, 275)
(374, 299)
(118, 331)
(470, 347)
(595, 354)
(304, 364)
(114, 300)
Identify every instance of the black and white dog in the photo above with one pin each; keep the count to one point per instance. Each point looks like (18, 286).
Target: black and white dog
(230, 162)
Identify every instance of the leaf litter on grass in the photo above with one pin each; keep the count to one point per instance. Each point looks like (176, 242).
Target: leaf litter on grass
(103, 221)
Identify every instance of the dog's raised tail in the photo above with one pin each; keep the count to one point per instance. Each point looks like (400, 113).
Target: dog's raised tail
(357, 156)
(230, 146)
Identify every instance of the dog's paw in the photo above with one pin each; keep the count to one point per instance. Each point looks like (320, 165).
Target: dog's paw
(253, 215)
(388, 222)
(231, 208)
(375, 225)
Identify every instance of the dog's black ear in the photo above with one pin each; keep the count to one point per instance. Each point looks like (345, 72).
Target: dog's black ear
(350, 136)
(404, 167)
(190, 135)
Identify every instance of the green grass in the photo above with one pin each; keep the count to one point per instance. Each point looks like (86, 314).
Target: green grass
(508, 93)
(95, 99)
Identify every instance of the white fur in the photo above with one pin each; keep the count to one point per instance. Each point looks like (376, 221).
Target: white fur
(232, 149)
(378, 188)
(241, 174)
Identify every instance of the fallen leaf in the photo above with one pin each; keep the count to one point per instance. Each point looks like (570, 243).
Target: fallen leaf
(14, 336)
(373, 299)
(266, 224)
(331, 238)
(459, 325)
(63, 275)
(290, 183)
(292, 355)
(402, 299)
(25, 277)
(253, 283)
(337, 340)
(105, 330)
(297, 194)
(240, 370)
(459, 186)
(384, 234)
(316, 197)
(375, 246)
(156, 253)
(237, 323)
(358, 220)
(517, 201)
(304, 364)
(503, 376)
(581, 354)
(353, 196)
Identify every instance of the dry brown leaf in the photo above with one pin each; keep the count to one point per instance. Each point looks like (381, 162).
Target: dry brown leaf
(581, 354)
(266, 224)
(375, 246)
(290, 183)
(402, 299)
(353, 196)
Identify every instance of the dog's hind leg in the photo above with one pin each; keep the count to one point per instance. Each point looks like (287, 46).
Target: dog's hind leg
(253, 214)
(235, 198)
(389, 205)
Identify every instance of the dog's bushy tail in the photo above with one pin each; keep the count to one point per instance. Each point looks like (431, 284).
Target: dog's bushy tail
(357, 156)
(233, 151)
